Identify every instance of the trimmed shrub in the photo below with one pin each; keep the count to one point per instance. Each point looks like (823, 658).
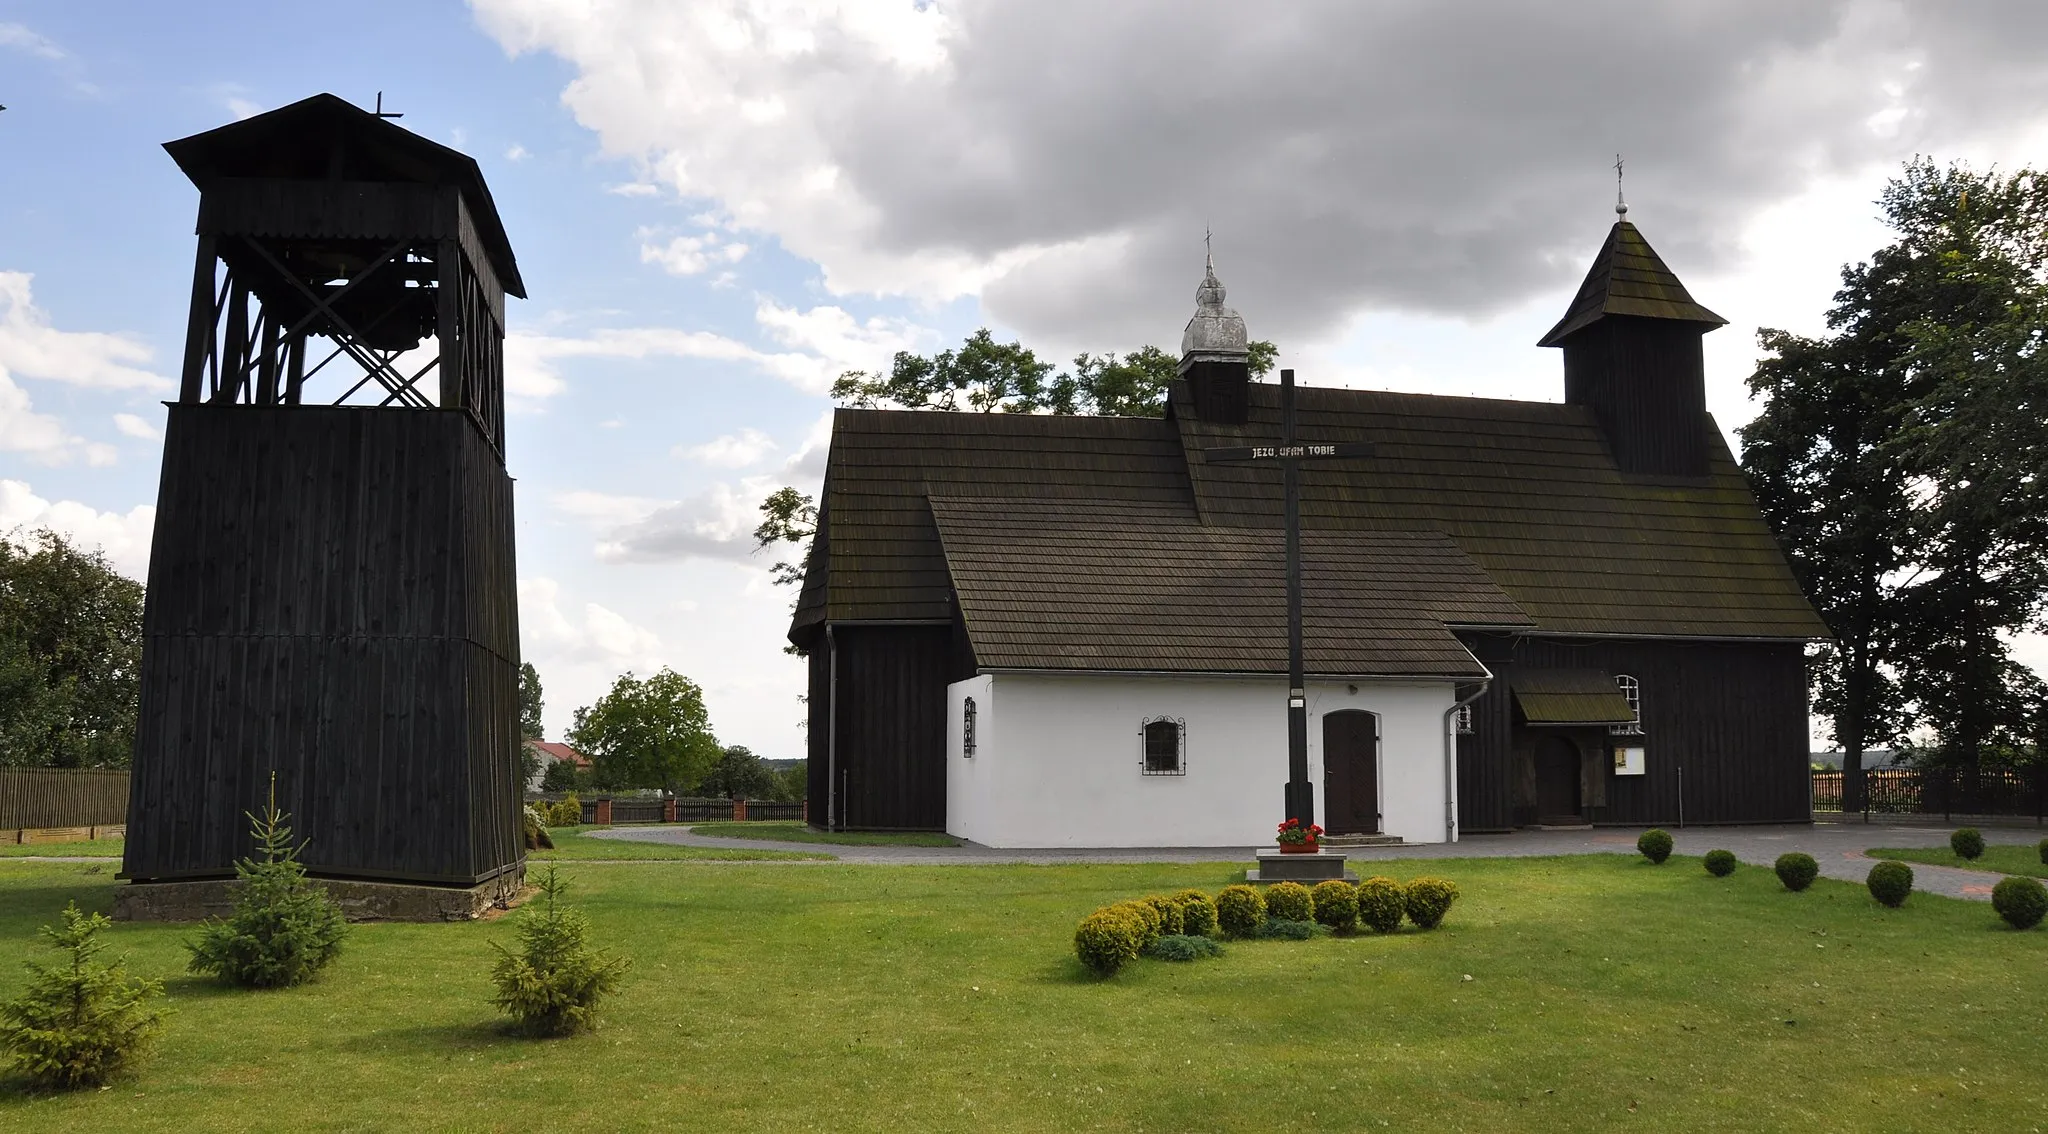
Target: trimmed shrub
(552, 985)
(1197, 913)
(1172, 923)
(2021, 901)
(1890, 882)
(284, 928)
(1240, 911)
(79, 1022)
(1108, 939)
(1336, 904)
(1968, 843)
(1720, 863)
(565, 812)
(1796, 870)
(1655, 844)
(1290, 901)
(1381, 904)
(1288, 929)
(534, 819)
(1148, 921)
(1184, 947)
(1429, 899)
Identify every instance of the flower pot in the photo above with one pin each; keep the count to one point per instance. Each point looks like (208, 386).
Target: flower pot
(1299, 848)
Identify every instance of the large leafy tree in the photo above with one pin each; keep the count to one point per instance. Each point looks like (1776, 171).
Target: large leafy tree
(70, 655)
(1900, 461)
(650, 732)
(739, 774)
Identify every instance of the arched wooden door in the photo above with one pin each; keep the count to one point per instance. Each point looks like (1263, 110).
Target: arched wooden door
(1557, 781)
(1351, 772)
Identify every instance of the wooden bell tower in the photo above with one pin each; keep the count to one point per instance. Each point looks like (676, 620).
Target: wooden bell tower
(331, 583)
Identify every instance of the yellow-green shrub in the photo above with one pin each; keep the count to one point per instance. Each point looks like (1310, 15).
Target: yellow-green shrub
(1172, 922)
(1240, 911)
(1429, 899)
(1381, 904)
(1336, 904)
(1197, 913)
(1289, 901)
(1108, 939)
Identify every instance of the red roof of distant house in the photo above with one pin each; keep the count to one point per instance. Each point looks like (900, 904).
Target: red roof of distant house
(559, 752)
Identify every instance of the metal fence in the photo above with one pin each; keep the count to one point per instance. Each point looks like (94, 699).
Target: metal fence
(62, 797)
(1940, 791)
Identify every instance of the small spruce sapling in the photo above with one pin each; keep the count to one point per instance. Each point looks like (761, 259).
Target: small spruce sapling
(552, 985)
(284, 928)
(79, 1023)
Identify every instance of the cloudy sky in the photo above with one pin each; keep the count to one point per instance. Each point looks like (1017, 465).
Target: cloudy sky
(719, 206)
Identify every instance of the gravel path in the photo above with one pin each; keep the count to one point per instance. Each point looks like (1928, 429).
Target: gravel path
(1838, 847)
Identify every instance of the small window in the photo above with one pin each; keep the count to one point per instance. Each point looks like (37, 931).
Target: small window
(1632, 690)
(1166, 747)
(1464, 720)
(967, 729)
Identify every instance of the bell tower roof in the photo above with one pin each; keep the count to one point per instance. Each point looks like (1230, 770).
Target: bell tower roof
(1628, 278)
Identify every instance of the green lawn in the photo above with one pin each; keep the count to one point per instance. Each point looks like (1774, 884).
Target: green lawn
(792, 831)
(571, 843)
(575, 843)
(1997, 858)
(92, 848)
(1604, 994)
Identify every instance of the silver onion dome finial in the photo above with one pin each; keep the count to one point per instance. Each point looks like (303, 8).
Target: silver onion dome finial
(1216, 333)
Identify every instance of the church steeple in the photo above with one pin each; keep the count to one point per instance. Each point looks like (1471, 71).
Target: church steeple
(1632, 355)
(1214, 354)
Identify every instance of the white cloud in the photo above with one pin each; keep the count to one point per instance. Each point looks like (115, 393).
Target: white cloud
(689, 255)
(124, 537)
(22, 39)
(134, 426)
(32, 348)
(716, 524)
(39, 436)
(604, 509)
(517, 153)
(731, 451)
(635, 189)
(1352, 157)
(827, 341)
(599, 635)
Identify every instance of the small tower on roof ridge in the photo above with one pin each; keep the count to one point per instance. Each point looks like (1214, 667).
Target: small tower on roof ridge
(1215, 356)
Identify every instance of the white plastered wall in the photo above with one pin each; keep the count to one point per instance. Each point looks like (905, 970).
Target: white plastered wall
(1058, 759)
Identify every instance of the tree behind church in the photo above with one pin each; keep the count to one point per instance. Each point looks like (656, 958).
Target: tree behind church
(1900, 460)
(647, 733)
(70, 655)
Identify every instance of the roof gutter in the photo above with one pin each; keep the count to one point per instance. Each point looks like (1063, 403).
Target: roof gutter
(1277, 675)
(1451, 754)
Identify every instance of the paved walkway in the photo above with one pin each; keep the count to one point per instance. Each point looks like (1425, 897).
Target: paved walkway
(1838, 847)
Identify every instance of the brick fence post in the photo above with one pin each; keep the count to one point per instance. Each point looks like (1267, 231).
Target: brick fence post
(739, 810)
(603, 818)
(807, 810)
(668, 810)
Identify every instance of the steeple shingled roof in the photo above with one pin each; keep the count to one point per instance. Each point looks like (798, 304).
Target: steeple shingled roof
(1628, 278)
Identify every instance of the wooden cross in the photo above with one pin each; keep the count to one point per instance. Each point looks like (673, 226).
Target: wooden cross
(1289, 454)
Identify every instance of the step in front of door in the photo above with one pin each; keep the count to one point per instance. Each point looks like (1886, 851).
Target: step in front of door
(1361, 840)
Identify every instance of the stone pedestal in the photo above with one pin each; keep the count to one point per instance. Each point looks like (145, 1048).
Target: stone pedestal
(360, 901)
(1277, 866)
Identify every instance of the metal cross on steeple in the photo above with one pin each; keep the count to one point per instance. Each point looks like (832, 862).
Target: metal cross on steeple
(383, 113)
(1620, 206)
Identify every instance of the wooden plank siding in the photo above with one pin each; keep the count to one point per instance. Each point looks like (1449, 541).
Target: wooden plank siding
(1644, 380)
(62, 797)
(1730, 715)
(890, 723)
(331, 597)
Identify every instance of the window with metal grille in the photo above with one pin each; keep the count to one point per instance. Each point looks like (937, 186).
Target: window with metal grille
(967, 729)
(1165, 746)
(1464, 719)
(1633, 691)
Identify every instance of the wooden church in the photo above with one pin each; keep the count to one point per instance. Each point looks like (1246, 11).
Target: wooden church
(1031, 630)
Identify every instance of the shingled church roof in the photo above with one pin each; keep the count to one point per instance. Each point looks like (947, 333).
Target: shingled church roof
(1629, 278)
(1527, 491)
